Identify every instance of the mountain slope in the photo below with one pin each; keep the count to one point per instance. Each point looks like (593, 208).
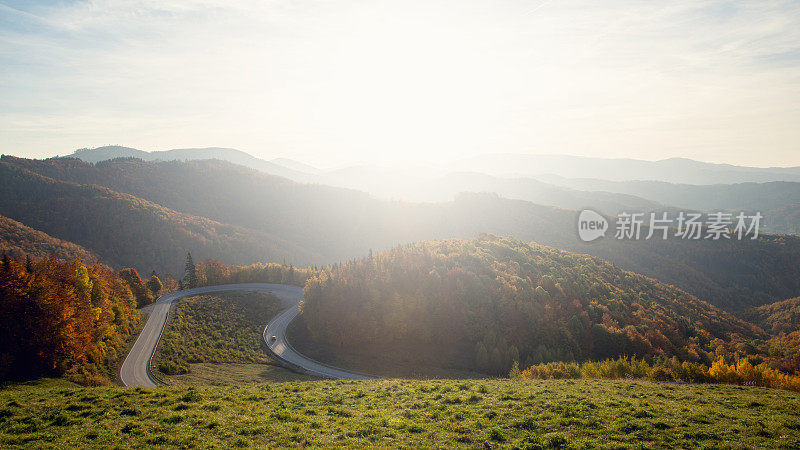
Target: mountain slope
(108, 152)
(779, 317)
(295, 165)
(16, 240)
(782, 320)
(506, 300)
(314, 216)
(745, 196)
(672, 170)
(337, 224)
(128, 231)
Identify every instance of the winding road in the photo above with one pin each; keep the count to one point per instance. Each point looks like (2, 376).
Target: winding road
(135, 370)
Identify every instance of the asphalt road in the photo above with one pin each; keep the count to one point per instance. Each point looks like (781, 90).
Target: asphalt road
(277, 327)
(134, 371)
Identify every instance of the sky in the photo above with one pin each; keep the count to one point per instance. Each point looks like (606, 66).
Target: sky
(339, 82)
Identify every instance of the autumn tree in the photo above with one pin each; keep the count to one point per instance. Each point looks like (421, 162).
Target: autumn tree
(154, 284)
(211, 272)
(137, 286)
(66, 318)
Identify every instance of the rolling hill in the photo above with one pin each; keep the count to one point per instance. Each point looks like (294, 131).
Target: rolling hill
(417, 184)
(499, 300)
(782, 320)
(128, 231)
(744, 196)
(18, 240)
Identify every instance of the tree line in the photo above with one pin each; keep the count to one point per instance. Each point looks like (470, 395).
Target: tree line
(212, 272)
(722, 370)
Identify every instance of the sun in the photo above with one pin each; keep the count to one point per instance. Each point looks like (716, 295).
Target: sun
(409, 89)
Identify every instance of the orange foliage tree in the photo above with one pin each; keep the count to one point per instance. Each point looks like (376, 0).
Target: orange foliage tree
(62, 318)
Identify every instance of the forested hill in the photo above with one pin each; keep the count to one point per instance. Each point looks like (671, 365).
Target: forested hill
(127, 231)
(782, 320)
(325, 225)
(509, 301)
(17, 240)
(331, 222)
(779, 317)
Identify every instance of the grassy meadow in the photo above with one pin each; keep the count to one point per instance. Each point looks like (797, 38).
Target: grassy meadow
(216, 340)
(402, 413)
(221, 374)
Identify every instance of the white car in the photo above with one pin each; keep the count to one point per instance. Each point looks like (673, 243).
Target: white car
(273, 338)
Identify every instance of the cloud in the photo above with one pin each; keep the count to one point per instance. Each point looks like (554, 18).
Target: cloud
(349, 80)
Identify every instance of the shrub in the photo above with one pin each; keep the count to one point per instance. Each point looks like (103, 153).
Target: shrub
(660, 374)
(740, 372)
(173, 367)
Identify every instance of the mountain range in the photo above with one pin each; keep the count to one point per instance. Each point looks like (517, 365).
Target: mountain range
(148, 214)
(607, 185)
(672, 170)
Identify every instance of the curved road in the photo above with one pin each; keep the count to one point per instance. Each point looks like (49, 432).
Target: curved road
(135, 369)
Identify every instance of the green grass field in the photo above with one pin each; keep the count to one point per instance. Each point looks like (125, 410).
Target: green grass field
(206, 374)
(221, 328)
(216, 340)
(413, 414)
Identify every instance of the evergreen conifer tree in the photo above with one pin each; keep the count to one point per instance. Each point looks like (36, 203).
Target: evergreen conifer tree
(190, 272)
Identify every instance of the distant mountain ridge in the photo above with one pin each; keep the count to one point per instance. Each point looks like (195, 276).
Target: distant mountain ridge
(778, 201)
(672, 170)
(232, 155)
(418, 184)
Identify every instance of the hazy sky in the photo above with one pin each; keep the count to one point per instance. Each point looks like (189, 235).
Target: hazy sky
(332, 82)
